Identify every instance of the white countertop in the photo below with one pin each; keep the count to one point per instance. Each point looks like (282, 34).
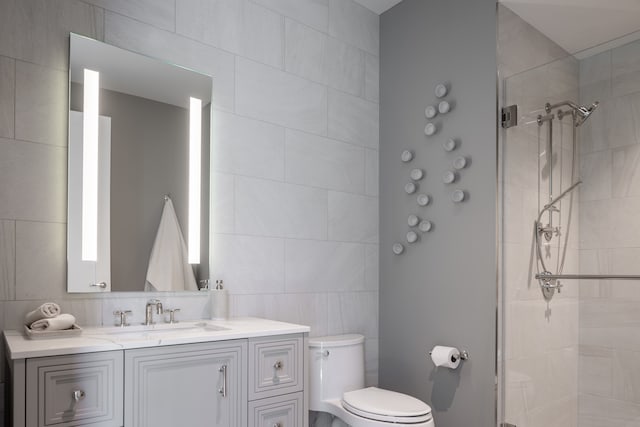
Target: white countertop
(115, 338)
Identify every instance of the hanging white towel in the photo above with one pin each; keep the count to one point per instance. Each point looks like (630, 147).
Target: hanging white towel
(46, 310)
(169, 269)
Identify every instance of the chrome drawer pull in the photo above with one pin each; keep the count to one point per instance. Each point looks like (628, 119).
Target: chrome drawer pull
(78, 395)
(278, 365)
(102, 285)
(223, 389)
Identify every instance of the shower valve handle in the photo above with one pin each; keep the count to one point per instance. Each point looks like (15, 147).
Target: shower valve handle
(548, 231)
(548, 285)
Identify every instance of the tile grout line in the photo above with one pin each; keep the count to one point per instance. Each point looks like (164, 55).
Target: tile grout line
(295, 184)
(377, 149)
(284, 238)
(233, 201)
(284, 266)
(15, 259)
(283, 42)
(15, 96)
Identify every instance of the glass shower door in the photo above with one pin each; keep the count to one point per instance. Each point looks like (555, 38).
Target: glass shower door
(569, 172)
(539, 325)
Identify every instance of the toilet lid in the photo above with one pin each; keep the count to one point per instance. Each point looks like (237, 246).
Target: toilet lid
(385, 405)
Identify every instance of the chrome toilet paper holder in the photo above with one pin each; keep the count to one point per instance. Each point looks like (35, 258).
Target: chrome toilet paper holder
(462, 355)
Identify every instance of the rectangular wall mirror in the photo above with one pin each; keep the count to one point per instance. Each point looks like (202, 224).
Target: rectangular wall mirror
(138, 190)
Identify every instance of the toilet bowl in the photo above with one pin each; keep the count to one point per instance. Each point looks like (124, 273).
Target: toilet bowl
(336, 371)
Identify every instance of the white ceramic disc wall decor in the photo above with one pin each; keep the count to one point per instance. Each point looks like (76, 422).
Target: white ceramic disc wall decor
(398, 248)
(417, 174)
(458, 196)
(448, 177)
(437, 108)
(440, 90)
(423, 199)
(410, 188)
(449, 145)
(459, 162)
(425, 226)
(430, 129)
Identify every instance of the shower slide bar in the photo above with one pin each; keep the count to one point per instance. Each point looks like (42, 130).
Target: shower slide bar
(542, 276)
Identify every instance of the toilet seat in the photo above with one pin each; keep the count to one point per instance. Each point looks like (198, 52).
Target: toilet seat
(387, 406)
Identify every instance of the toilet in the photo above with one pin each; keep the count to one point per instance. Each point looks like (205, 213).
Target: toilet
(336, 371)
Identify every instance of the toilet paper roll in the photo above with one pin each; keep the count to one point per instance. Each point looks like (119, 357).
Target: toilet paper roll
(448, 357)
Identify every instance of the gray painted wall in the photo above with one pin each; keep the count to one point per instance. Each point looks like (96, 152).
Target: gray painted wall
(442, 290)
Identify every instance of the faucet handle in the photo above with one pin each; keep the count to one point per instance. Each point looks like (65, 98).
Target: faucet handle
(172, 315)
(122, 317)
(157, 303)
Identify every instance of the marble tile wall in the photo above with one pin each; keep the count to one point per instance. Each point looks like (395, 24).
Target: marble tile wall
(609, 240)
(295, 155)
(539, 339)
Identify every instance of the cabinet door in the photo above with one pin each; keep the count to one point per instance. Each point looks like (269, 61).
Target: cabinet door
(76, 390)
(195, 385)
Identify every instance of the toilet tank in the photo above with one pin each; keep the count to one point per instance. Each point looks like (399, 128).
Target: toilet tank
(336, 365)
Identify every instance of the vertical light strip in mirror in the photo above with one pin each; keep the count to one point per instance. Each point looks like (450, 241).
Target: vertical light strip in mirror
(90, 166)
(195, 137)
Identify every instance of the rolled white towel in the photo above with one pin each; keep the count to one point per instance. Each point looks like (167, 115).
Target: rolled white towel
(45, 311)
(58, 323)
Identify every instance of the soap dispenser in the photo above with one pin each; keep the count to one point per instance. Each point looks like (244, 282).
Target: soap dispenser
(219, 302)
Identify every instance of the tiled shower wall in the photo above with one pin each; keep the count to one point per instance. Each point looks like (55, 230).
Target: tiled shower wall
(295, 153)
(610, 239)
(540, 339)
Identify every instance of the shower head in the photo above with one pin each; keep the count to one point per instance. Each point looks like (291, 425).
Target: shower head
(583, 113)
(580, 112)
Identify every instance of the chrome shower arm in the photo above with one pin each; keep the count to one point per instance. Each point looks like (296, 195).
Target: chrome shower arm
(548, 107)
(564, 193)
(551, 205)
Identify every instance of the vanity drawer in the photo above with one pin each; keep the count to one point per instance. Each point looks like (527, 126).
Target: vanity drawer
(77, 390)
(275, 366)
(281, 411)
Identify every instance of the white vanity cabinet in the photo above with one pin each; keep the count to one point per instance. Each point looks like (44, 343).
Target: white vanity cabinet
(246, 373)
(195, 385)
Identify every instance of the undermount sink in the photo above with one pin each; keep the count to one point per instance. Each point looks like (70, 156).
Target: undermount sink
(158, 331)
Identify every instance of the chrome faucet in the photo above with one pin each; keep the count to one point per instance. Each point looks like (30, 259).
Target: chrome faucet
(148, 317)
